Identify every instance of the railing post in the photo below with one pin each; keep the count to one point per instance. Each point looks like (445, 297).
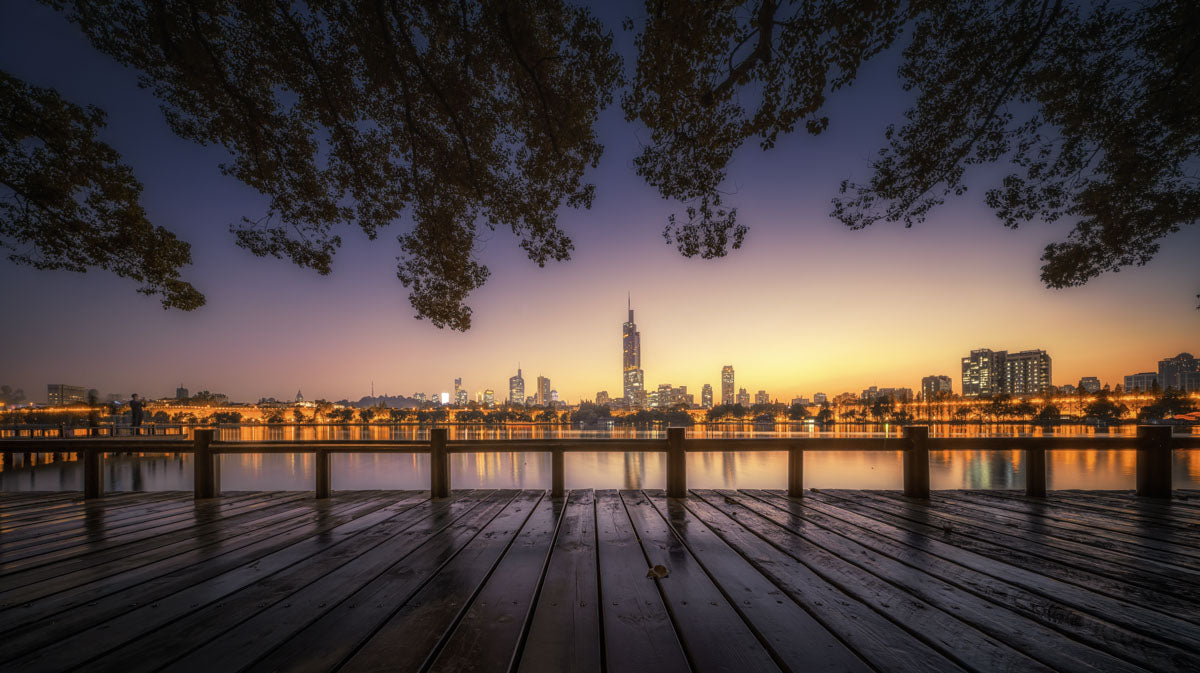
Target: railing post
(557, 478)
(208, 467)
(676, 464)
(439, 464)
(1035, 471)
(1154, 461)
(916, 461)
(795, 471)
(324, 479)
(93, 476)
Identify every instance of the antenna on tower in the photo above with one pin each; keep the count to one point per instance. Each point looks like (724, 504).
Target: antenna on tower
(372, 389)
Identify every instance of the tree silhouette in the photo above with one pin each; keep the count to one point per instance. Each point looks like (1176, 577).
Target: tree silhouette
(470, 115)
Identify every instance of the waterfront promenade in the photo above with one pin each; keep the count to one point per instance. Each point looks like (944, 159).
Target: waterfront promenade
(499, 580)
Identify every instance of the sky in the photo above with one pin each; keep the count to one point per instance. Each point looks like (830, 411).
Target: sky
(805, 306)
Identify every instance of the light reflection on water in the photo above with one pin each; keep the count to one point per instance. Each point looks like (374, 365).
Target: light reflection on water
(1084, 469)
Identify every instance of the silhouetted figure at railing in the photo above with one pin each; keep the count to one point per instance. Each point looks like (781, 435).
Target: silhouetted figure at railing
(136, 413)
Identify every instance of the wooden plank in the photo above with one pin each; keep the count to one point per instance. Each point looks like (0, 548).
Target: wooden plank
(111, 520)
(488, 637)
(18, 525)
(1138, 511)
(153, 637)
(412, 637)
(712, 632)
(638, 632)
(1035, 606)
(57, 617)
(1066, 561)
(324, 640)
(88, 555)
(564, 634)
(937, 626)
(320, 625)
(884, 644)
(795, 640)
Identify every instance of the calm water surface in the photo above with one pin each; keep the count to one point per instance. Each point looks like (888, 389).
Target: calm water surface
(1083, 469)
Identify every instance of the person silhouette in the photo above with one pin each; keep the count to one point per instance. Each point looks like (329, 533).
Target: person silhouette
(136, 413)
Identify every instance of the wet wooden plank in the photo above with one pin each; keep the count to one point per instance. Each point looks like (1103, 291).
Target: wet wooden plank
(489, 636)
(413, 636)
(1028, 620)
(564, 634)
(638, 632)
(887, 645)
(712, 632)
(795, 640)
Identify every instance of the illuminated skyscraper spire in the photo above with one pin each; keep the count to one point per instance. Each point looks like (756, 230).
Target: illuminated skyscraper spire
(632, 375)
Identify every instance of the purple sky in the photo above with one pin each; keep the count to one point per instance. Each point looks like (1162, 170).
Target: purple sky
(805, 306)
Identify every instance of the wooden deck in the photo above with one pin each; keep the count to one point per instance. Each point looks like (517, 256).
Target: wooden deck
(519, 581)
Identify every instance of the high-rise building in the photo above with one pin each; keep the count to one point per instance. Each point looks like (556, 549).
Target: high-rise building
(181, 393)
(820, 398)
(542, 392)
(662, 397)
(743, 397)
(1090, 383)
(894, 394)
(58, 394)
(706, 399)
(761, 397)
(935, 386)
(727, 384)
(633, 378)
(602, 397)
(516, 388)
(489, 398)
(982, 372)
(988, 372)
(1181, 372)
(554, 397)
(1142, 382)
(460, 394)
(1026, 372)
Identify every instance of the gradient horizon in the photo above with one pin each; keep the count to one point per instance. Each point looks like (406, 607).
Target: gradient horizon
(805, 306)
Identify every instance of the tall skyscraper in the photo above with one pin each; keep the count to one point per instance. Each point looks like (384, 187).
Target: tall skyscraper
(727, 384)
(516, 388)
(743, 397)
(634, 379)
(460, 395)
(706, 399)
(542, 394)
(489, 398)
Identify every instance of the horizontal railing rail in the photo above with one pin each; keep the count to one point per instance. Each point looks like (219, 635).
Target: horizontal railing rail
(1153, 443)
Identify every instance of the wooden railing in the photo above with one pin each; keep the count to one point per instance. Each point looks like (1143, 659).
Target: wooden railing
(1153, 443)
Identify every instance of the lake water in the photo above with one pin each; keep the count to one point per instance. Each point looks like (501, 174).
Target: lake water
(1001, 469)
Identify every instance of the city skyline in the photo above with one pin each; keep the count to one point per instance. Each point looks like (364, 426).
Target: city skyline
(805, 305)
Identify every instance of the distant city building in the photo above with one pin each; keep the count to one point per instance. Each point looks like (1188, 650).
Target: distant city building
(820, 398)
(489, 398)
(743, 397)
(420, 397)
(530, 400)
(542, 392)
(706, 396)
(1181, 372)
(761, 397)
(1142, 381)
(460, 395)
(988, 372)
(895, 394)
(632, 376)
(1066, 389)
(727, 384)
(1090, 384)
(554, 396)
(602, 397)
(444, 399)
(299, 396)
(935, 386)
(59, 394)
(181, 393)
(516, 388)
(802, 401)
